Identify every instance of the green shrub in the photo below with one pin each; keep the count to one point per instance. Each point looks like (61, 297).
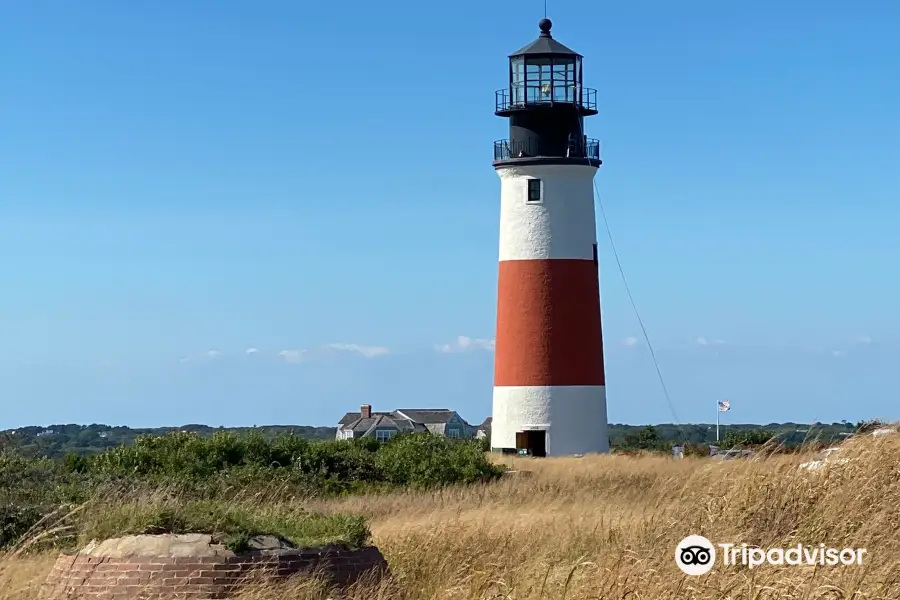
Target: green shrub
(193, 474)
(30, 490)
(424, 460)
(691, 449)
(339, 461)
(231, 523)
(749, 438)
(332, 467)
(186, 454)
(16, 522)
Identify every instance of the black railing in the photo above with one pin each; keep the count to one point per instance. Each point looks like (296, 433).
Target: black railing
(506, 149)
(522, 95)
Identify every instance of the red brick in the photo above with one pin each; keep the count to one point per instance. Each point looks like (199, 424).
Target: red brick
(195, 560)
(200, 578)
(137, 574)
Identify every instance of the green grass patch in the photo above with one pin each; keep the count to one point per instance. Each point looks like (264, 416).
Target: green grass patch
(230, 523)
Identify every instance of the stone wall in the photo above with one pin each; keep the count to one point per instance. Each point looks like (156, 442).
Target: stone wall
(81, 577)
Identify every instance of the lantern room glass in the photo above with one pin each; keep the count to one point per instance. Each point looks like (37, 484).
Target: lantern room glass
(546, 79)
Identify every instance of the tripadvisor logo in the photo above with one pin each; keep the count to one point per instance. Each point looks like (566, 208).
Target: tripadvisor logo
(696, 555)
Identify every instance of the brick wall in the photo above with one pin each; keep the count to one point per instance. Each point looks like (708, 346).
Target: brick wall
(101, 578)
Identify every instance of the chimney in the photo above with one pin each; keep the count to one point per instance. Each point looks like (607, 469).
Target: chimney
(366, 410)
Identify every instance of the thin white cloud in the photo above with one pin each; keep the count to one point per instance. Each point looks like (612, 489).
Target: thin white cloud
(630, 341)
(367, 351)
(251, 351)
(838, 353)
(292, 356)
(864, 339)
(213, 354)
(464, 343)
(702, 341)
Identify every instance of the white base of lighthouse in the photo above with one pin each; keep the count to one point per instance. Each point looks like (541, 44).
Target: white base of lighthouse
(573, 417)
(549, 377)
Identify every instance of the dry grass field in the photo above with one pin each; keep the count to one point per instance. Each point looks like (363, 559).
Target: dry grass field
(607, 527)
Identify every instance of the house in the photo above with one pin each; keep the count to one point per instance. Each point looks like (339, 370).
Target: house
(384, 425)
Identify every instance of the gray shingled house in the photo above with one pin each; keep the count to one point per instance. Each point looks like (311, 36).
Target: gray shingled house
(384, 425)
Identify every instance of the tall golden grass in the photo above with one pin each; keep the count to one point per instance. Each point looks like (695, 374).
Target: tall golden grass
(607, 527)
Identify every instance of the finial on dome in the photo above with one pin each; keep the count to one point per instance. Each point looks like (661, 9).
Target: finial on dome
(545, 24)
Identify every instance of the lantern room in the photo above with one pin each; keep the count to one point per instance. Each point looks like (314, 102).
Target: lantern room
(545, 72)
(546, 102)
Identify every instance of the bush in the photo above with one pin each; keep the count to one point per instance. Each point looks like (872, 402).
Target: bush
(16, 522)
(745, 439)
(869, 426)
(332, 467)
(645, 439)
(424, 460)
(696, 449)
(31, 489)
(196, 474)
(187, 454)
(231, 524)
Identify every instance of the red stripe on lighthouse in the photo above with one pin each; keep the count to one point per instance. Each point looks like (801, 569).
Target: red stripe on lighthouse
(548, 324)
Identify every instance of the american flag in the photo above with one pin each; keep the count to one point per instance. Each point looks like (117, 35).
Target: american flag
(724, 405)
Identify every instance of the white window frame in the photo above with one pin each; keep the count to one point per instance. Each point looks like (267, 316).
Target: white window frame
(454, 432)
(383, 435)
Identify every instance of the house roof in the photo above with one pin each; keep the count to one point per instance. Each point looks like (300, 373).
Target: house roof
(403, 418)
(381, 420)
(363, 425)
(487, 424)
(355, 416)
(427, 415)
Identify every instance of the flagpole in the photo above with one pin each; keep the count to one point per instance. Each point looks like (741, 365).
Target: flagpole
(717, 421)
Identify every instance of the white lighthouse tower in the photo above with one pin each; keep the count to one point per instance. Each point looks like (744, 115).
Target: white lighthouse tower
(549, 379)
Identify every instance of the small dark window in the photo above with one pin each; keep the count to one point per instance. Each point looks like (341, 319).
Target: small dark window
(534, 190)
(596, 258)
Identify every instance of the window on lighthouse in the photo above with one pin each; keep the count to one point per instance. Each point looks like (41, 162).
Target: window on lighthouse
(534, 190)
(518, 85)
(538, 78)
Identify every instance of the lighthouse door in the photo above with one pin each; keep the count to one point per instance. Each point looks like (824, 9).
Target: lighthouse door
(533, 442)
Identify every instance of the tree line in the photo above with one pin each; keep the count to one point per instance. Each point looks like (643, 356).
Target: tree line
(697, 438)
(57, 441)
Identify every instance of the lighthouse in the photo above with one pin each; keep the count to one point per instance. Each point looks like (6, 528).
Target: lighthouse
(549, 379)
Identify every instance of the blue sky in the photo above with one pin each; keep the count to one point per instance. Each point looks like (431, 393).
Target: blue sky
(183, 181)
